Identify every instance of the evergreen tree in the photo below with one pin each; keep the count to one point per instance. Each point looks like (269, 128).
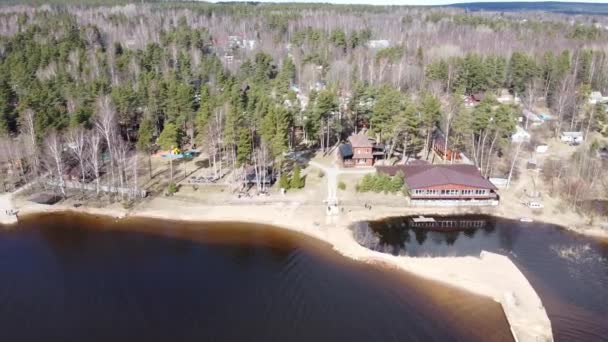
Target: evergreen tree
(386, 108)
(204, 111)
(338, 39)
(145, 138)
(286, 76)
(522, 70)
(284, 181)
(243, 150)
(297, 182)
(169, 139)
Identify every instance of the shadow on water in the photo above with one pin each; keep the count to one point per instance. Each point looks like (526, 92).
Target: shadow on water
(80, 278)
(568, 270)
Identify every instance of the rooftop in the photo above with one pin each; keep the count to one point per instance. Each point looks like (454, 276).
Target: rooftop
(345, 150)
(424, 176)
(360, 140)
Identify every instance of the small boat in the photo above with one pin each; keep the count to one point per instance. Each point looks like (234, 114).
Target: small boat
(526, 219)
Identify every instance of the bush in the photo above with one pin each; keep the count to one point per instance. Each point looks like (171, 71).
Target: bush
(367, 183)
(297, 182)
(284, 181)
(128, 204)
(342, 185)
(172, 188)
(381, 183)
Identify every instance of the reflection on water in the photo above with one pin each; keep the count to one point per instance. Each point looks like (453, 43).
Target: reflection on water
(568, 270)
(164, 281)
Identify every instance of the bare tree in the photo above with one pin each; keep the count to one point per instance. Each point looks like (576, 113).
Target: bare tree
(94, 156)
(77, 144)
(29, 118)
(105, 123)
(54, 151)
(563, 99)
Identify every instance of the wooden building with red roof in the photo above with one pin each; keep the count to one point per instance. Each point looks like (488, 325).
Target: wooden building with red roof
(445, 184)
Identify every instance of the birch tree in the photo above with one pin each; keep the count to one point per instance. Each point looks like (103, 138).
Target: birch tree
(94, 155)
(105, 124)
(54, 150)
(76, 141)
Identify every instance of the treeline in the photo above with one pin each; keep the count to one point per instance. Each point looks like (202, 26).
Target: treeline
(178, 75)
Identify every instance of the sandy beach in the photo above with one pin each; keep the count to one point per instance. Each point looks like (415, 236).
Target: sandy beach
(489, 275)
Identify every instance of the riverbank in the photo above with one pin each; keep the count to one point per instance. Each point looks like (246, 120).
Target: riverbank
(489, 275)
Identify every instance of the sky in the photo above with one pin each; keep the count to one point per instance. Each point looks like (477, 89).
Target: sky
(411, 2)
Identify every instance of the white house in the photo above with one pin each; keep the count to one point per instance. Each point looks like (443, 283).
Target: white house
(542, 148)
(520, 135)
(596, 97)
(378, 44)
(531, 118)
(572, 137)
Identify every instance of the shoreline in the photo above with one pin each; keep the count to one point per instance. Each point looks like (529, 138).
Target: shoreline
(490, 275)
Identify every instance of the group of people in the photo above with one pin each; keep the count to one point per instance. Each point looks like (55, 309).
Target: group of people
(10, 212)
(368, 206)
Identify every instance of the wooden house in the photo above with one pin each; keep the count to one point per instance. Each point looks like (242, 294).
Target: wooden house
(359, 152)
(445, 152)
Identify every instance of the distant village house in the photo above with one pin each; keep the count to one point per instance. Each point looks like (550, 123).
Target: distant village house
(572, 137)
(378, 44)
(445, 152)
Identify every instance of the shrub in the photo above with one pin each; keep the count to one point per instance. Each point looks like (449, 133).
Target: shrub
(342, 185)
(297, 182)
(172, 188)
(396, 182)
(367, 183)
(129, 204)
(284, 181)
(381, 183)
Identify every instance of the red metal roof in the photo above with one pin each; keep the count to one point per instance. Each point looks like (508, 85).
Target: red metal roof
(425, 176)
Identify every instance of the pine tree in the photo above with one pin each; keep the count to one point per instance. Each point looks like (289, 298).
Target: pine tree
(284, 181)
(168, 139)
(204, 111)
(144, 140)
(387, 106)
(297, 182)
(243, 150)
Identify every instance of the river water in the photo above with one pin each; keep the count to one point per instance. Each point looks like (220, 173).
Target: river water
(568, 270)
(78, 278)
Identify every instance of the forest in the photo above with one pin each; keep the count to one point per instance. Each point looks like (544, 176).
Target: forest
(248, 83)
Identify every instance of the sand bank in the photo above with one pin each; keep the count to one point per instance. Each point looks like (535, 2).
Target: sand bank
(490, 275)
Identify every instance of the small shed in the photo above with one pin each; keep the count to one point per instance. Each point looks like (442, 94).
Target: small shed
(542, 148)
(572, 137)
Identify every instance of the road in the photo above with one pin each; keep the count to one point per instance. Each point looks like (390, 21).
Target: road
(332, 173)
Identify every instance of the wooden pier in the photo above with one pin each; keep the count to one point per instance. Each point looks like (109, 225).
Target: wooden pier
(445, 224)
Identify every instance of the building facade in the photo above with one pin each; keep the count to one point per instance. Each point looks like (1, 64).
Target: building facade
(455, 184)
(359, 152)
